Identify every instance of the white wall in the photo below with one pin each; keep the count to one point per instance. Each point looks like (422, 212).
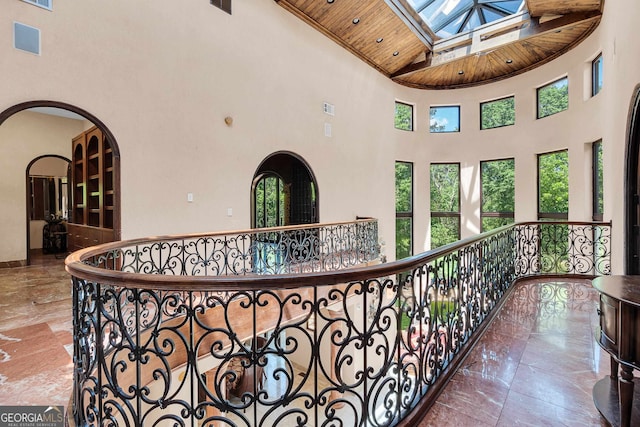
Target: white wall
(163, 75)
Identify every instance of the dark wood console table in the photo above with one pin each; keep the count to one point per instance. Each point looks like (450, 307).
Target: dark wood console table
(619, 335)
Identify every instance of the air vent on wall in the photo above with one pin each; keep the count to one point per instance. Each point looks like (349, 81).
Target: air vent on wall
(47, 4)
(26, 38)
(329, 109)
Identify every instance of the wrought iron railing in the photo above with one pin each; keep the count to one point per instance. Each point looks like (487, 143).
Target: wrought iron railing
(181, 331)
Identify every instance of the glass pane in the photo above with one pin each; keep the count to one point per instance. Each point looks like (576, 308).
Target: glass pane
(403, 238)
(445, 17)
(489, 224)
(404, 116)
(498, 185)
(553, 98)
(444, 119)
(472, 22)
(444, 230)
(445, 187)
(271, 196)
(597, 75)
(260, 217)
(598, 192)
(510, 7)
(439, 13)
(501, 112)
(404, 187)
(553, 182)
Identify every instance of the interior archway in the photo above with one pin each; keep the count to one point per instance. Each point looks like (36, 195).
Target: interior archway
(284, 192)
(50, 110)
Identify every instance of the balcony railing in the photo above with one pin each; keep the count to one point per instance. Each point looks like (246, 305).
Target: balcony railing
(293, 326)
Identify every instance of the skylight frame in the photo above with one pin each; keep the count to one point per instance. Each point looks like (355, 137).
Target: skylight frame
(469, 11)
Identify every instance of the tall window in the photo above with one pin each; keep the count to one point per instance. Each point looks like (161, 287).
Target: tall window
(404, 116)
(498, 113)
(445, 203)
(553, 185)
(444, 119)
(553, 98)
(404, 209)
(598, 192)
(497, 179)
(596, 75)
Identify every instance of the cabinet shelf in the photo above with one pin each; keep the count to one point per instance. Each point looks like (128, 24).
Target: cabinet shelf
(93, 194)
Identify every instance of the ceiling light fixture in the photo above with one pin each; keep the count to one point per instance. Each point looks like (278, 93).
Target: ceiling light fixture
(356, 20)
(396, 53)
(330, 1)
(509, 61)
(461, 72)
(379, 40)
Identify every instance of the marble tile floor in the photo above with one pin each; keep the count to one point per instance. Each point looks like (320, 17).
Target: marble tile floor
(535, 365)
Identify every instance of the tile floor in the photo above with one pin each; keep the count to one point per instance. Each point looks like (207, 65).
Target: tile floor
(536, 364)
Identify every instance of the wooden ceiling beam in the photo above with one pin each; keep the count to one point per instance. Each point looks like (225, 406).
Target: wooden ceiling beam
(485, 39)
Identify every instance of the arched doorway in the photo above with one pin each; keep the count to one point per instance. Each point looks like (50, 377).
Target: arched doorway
(632, 187)
(51, 109)
(48, 178)
(284, 192)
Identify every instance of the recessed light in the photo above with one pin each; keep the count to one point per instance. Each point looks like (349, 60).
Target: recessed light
(461, 72)
(330, 1)
(356, 20)
(396, 53)
(379, 40)
(509, 61)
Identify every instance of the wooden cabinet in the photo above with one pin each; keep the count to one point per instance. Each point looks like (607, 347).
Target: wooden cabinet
(616, 396)
(93, 191)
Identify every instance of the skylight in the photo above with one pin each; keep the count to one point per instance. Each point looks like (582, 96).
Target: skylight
(450, 17)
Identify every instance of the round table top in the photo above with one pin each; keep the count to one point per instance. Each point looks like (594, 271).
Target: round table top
(622, 288)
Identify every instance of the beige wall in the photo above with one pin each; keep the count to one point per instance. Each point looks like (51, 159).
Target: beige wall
(163, 75)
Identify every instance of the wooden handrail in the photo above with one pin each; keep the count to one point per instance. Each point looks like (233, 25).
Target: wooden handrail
(76, 266)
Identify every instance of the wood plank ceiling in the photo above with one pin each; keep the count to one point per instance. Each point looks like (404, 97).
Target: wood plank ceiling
(391, 37)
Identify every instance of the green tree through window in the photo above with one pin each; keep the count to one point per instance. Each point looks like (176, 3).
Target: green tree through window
(404, 209)
(553, 185)
(404, 116)
(445, 203)
(498, 193)
(553, 98)
(498, 113)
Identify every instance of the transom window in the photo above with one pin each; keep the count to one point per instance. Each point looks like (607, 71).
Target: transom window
(404, 116)
(444, 119)
(45, 4)
(553, 98)
(498, 113)
(222, 4)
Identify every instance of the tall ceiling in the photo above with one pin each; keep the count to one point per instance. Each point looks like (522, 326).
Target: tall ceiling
(445, 44)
